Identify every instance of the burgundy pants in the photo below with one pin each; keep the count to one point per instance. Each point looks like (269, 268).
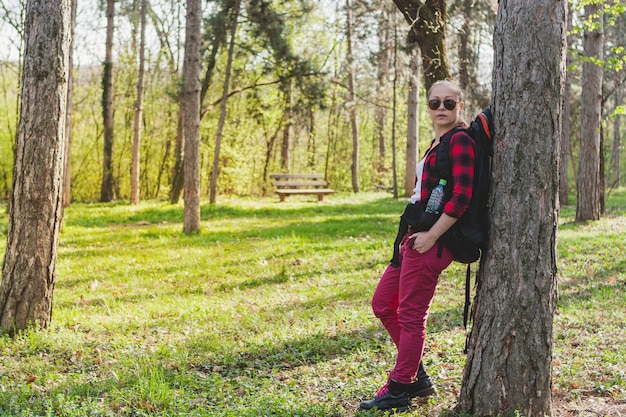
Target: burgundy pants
(402, 300)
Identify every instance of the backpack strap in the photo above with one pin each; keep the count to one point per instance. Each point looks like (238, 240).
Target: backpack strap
(468, 302)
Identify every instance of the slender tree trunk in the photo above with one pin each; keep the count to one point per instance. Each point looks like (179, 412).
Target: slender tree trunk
(382, 88)
(394, 152)
(220, 126)
(565, 130)
(285, 146)
(29, 269)
(178, 171)
(352, 99)
(510, 348)
(427, 23)
(589, 183)
(135, 168)
(412, 133)
(191, 114)
(617, 135)
(67, 182)
(106, 188)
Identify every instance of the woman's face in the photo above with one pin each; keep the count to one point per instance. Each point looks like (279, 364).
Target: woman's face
(447, 107)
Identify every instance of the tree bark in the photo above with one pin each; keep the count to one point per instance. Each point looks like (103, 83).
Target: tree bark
(589, 182)
(191, 114)
(510, 348)
(106, 188)
(220, 126)
(428, 31)
(29, 269)
(136, 152)
(352, 101)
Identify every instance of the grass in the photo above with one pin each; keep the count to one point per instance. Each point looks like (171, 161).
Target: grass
(266, 313)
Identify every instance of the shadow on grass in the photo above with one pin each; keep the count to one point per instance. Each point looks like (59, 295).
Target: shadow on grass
(104, 215)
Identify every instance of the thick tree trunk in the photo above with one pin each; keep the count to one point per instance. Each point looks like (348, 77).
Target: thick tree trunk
(588, 201)
(220, 127)
(510, 351)
(106, 188)
(135, 167)
(29, 269)
(352, 99)
(191, 114)
(428, 31)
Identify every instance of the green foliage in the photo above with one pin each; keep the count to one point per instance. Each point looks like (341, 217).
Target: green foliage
(266, 312)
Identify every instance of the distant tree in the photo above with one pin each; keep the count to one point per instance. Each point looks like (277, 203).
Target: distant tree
(383, 67)
(588, 205)
(509, 362)
(36, 208)
(106, 188)
(191, 117)
(412, 123)
(67, 170)
(566, 121)
(354, 126)
(222, 119)
(136, 152)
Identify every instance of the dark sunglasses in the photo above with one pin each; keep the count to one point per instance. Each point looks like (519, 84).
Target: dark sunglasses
(434, 104)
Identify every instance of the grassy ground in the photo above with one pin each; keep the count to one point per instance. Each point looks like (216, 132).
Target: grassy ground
(266, 313)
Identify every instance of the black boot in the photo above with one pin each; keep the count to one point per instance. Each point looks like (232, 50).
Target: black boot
(393, 395)
(422, 386)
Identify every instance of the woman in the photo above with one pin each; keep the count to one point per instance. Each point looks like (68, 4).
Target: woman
(405, 291)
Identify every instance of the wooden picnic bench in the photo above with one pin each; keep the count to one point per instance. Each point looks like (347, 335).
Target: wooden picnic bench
(290, 184)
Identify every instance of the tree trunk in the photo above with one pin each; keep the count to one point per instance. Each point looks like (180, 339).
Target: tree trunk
(285, 145)
(383, 60)
(106, 188)
(178, 172)
(29, 269)
(510, 348)
(220, 126)
(617, 135)
(565, 130)
(465, 59)
(67, 169)
(428, 31)
(191, 112)
(588, 202)
(413, 120)
(352, 101)
(135, 168)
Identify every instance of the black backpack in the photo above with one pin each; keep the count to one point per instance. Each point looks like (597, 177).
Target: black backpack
(467, 238)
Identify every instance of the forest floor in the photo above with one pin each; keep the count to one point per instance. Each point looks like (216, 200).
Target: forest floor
(267, 312)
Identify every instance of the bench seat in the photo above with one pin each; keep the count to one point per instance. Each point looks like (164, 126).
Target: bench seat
(303, 184)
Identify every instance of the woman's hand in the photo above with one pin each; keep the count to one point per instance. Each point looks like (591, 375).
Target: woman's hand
(423, 241)
(426, 240)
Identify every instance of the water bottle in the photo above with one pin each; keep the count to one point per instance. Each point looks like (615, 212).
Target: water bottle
(436, 197)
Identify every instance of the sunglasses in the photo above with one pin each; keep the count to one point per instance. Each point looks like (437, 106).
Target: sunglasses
(448, 104)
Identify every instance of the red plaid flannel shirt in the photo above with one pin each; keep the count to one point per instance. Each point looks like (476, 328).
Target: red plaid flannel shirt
(461, 153)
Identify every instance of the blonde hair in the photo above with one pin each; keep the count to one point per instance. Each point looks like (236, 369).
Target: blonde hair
(454, 87)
